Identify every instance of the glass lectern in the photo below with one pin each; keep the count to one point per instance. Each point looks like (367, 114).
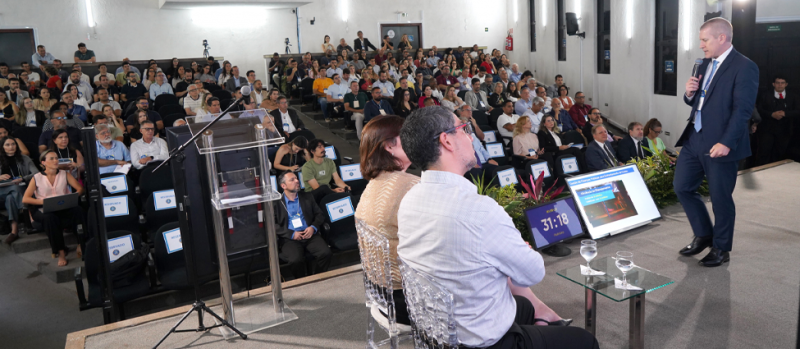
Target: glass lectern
(237, 166)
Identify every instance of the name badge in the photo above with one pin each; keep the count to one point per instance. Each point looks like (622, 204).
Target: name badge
(531, 152)
(274, 182)
(173, 240)
(489, 137)
(447, 81)
(507, 177)
(296, 223)
(384, 90)
(355, 104)
(299, 78)
(482, 105)
(495, 150)
(340, 209)
(115, 206)
(382, 112)
(164, 199)
(119, 247)
(351, 172)
(330, 152)
(538, 168)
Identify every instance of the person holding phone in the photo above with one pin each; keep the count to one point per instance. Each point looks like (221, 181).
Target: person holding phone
(15, 168)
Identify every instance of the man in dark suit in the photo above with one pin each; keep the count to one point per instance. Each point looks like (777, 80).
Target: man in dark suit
(287, 118)
(235, 81)
(297, 222)
(716, 138)
(362, 44)
(600, 154)
(777, 109)
(631, 147)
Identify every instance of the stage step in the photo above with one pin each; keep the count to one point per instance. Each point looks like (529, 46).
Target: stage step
(345, 134)
(46, 265)
(36, 242)
(306, 108)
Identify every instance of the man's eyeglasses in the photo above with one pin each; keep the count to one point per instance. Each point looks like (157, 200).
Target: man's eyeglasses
(147, 129)
(466, 126)
(59, 117)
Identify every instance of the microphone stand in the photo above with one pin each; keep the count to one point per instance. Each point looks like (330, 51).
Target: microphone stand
(178, 152)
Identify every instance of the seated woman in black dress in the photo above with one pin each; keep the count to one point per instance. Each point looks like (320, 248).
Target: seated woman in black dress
(292, 156)
(550, 141)
(405, 106)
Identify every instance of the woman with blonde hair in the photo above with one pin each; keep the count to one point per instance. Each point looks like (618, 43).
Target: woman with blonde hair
(525, 142)
(404, 43)
(451, 100)
(28, 116)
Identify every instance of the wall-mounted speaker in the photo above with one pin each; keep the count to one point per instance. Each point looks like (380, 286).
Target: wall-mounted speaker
(572, 23)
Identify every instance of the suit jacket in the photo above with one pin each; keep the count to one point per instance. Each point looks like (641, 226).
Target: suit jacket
(230, 85)
(312, 214)
(596, 158)
(20, 96)
(367, 44)
(769, 104)
(587, 131)
(547, 141)
(727, 108)
(41, 118)
(627, 149)
(298, 124)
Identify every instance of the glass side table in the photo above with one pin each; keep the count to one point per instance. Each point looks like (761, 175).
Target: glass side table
(604, 284)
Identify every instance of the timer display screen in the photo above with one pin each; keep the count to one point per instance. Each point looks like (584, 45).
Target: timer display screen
(553, 222)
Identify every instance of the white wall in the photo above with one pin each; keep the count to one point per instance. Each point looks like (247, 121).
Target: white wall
(138, 29)
(777, 10)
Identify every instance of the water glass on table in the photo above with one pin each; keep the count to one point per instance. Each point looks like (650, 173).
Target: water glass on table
(624, 263)
(588, 251)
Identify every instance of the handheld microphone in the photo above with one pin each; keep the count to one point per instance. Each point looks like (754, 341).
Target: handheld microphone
(696, 68)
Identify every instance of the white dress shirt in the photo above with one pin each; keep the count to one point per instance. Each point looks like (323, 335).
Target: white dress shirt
(778, 94)
(536, 119)
(157, 148)
(286, 120)
(707, 82)
(468, 244)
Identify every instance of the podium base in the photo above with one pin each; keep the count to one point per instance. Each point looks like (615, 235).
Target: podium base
(254, 314)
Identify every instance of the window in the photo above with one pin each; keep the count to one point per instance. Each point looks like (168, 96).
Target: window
(561, 33)
(532, 19)
(666, 48)
(604, 36)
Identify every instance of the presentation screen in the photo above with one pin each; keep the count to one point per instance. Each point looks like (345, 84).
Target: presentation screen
(613, 201)
(553, 222)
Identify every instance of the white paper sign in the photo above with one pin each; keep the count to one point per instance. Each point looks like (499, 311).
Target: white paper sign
(115, 206)
(570, 165)
(164, 199)
(173, 240)
(340, 209)
(274, 182)
(495, 150)
(489, 137)
(119, 247)
(330, 153)
(538, 167)
(507, 177)
(351, 172)
(116, 184)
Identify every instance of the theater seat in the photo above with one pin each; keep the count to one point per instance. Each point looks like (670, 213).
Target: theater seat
(171, 267)
(341, 235)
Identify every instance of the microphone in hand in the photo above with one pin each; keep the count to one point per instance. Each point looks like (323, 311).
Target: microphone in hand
(694, 81)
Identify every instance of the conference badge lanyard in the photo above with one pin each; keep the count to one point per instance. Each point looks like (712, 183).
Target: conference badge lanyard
(383, 112)
(296, 220)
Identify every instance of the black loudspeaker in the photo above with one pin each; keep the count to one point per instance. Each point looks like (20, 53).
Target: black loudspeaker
(572, 23)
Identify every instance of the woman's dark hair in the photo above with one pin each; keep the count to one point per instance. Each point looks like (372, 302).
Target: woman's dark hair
(651, 124)
(419, 134)
(313, 144)
(563, 87)
(379, 132)
(52, 144)
(38, 93)
(5, 160)
(301, 142)
(514, 93)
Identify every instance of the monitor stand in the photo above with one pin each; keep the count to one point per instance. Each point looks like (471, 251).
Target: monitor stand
(557, 250)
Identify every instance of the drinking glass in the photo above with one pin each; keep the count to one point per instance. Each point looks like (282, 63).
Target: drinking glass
(588, 251)
(624, 263)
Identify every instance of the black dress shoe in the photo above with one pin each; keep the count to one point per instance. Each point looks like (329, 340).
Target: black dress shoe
(715, 258)
(698, 245)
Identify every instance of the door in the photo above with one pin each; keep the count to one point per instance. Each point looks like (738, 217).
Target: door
(396, 31)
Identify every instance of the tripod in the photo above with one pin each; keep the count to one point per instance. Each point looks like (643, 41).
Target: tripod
(200, 307)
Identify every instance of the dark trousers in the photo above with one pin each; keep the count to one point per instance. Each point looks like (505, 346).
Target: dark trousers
(523, 334)
(54, 224)
(321, 192)
(293, 253)
(772, 146)
(693, 165)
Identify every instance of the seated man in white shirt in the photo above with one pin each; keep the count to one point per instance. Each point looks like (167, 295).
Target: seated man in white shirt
(541, 92)
(468, 243)
(149, 148)
(535, 113)
(193, 102)
(507, 121)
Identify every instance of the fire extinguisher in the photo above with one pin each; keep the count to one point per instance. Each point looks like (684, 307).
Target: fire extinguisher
(509, 42)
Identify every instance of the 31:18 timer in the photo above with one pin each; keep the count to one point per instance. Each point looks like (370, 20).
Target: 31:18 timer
(560, 220)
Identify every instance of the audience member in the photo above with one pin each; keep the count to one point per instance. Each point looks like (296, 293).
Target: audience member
(110, 153)
(630, 147)
(485, 166)
(596, 118)
(386, 87)
(43, 101)
(104, 83)
(212, 107)
(465, 81)
(362, 43)
(172, 71)
(149, 78)
(319, 171)
(70, 158)
(33, 77)
(179, 122)
(213, 64)
(132, 90)
(75, 110)
(321, 85)
(42, 58)
(62, 74)
(579, 112)
(542, 93)
(497, 98)
(507, 121)
(403, 88)
(535, 113)
(525, 142)
(135, 133)
(563, 120)
(652, 129)
(16, 168)
(384, 165)
(450, 100)
(288, 117)
(76, 99)
(103, 71)
(224, 74)
(71, 121)
(777, 110)
(182, 88)
(406, 105)
(354, 102)
(600, 154)
(276, 66)
(206, 76)
(142, 104)
(563, 95)
(54, 182)
(298, 220)
(103, 100)
(4, 133)
(15, 93)
(550, 141)
(376, 106)
(28, 116)
(476, 98)
(149, 148)
(259, 94)
(84, 88)
(552, 90)
(291, 156)
(429, 217)
(114, 123)
(54, 82)
(512, 93)
(235, 81)
(193, 101)
(82, 55)
(85, 78)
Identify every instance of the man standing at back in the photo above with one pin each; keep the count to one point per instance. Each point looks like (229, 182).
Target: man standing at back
(717, 137)
(468, 243)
